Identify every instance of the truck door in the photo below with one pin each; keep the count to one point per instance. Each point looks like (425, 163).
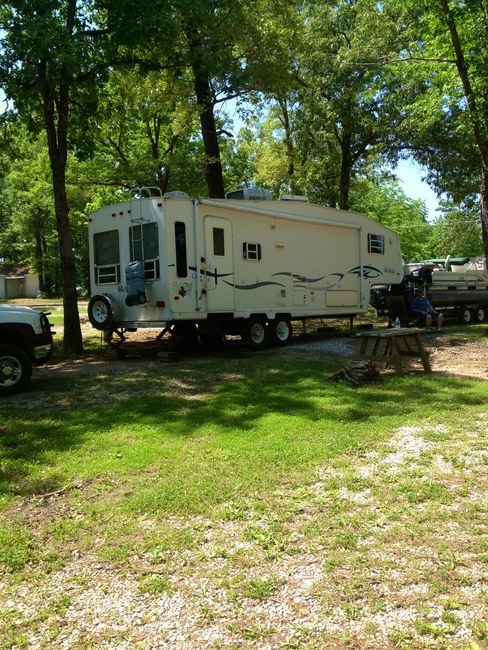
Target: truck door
(218, 264)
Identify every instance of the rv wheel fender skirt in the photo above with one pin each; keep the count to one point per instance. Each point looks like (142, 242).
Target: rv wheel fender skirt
(480, 314)
(280, 331)
(101, 311)
(256, 333)
(466, 315)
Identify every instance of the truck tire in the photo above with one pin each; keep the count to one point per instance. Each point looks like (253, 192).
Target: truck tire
(256, 333)
(480, 314)
(15, 369)
(280, 331)
(100, 312)
(466, 315)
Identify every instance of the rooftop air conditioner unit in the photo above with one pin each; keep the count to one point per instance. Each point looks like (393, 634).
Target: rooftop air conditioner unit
(176, 194)
(250, 194)
(293, 197)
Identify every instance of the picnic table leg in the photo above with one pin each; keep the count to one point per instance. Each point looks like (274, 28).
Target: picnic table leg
(423, 354)
(376, 346)
(395, 354)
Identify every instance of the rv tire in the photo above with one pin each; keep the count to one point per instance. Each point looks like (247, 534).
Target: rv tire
(256, 333)
(100, 312)
(280, 331)
(211, 340)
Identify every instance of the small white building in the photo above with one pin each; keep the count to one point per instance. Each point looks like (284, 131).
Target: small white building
(16, 281)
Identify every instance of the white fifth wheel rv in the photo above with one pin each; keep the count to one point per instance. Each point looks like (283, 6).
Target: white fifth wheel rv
(241, 265)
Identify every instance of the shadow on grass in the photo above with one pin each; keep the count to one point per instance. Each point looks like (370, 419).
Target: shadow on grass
(248, 416)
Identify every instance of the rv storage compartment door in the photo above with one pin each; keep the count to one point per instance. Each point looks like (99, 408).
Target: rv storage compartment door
(342, 299)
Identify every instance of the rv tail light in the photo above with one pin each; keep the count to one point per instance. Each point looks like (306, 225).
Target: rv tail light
(160, 303)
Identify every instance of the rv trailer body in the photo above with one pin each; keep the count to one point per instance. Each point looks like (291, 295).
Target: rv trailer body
(157, 261)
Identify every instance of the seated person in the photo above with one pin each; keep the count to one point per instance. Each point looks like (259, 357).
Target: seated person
(427, 314)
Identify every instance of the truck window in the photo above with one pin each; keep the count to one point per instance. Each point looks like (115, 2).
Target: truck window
(144, 246)
(107, 257)
(218, 242)
(376, 244)
(180, 244)
(251, 251)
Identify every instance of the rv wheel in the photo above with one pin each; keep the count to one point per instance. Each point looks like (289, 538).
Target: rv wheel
(256, 333)
(212, 340)
(280, 331)
(466, 315)
(480, 314)
(100, 312)
(186, 333)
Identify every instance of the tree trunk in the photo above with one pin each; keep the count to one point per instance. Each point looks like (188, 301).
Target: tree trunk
(484, 206)
(72, 339)
(205, 101)
(56, 125)
(290, 149)
(481, 137)
(346, 169)
(213, 165)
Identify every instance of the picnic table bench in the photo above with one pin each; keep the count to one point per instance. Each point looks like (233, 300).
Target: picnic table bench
(391, 344)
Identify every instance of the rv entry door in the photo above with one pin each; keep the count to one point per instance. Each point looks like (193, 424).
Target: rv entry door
(218, 264)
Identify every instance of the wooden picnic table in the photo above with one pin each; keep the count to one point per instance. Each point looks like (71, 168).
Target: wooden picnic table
(391, 344)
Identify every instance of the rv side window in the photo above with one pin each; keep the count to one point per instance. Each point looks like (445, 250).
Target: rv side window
(107, 257)
(218, 242)
(180, 243)
(144, 246)
(376, 244)
(251, 251)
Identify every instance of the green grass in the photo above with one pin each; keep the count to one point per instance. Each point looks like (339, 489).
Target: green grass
(142, 460)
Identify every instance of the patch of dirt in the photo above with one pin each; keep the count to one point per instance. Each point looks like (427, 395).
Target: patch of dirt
(450, 352)
(458, 355)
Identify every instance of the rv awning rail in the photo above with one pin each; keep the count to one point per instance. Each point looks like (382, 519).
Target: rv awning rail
(282, 215)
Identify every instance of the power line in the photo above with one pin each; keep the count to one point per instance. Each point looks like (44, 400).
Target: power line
(438, 225)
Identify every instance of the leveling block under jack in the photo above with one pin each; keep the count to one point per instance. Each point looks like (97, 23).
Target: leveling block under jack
(166, 349)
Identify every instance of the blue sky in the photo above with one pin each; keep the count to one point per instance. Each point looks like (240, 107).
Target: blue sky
(409, 174)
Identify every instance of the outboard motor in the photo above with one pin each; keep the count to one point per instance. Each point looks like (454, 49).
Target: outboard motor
(135, 285)
(421, 276)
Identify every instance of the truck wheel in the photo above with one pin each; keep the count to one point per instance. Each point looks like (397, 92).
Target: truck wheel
(100, 312)
(466, 315)
(280, 331)
(15, 369)
(480, 314)
(256, 333)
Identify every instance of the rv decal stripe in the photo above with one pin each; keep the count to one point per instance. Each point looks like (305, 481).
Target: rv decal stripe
(299, 278)
(210, 274)
(368, 272)
(256, 285)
